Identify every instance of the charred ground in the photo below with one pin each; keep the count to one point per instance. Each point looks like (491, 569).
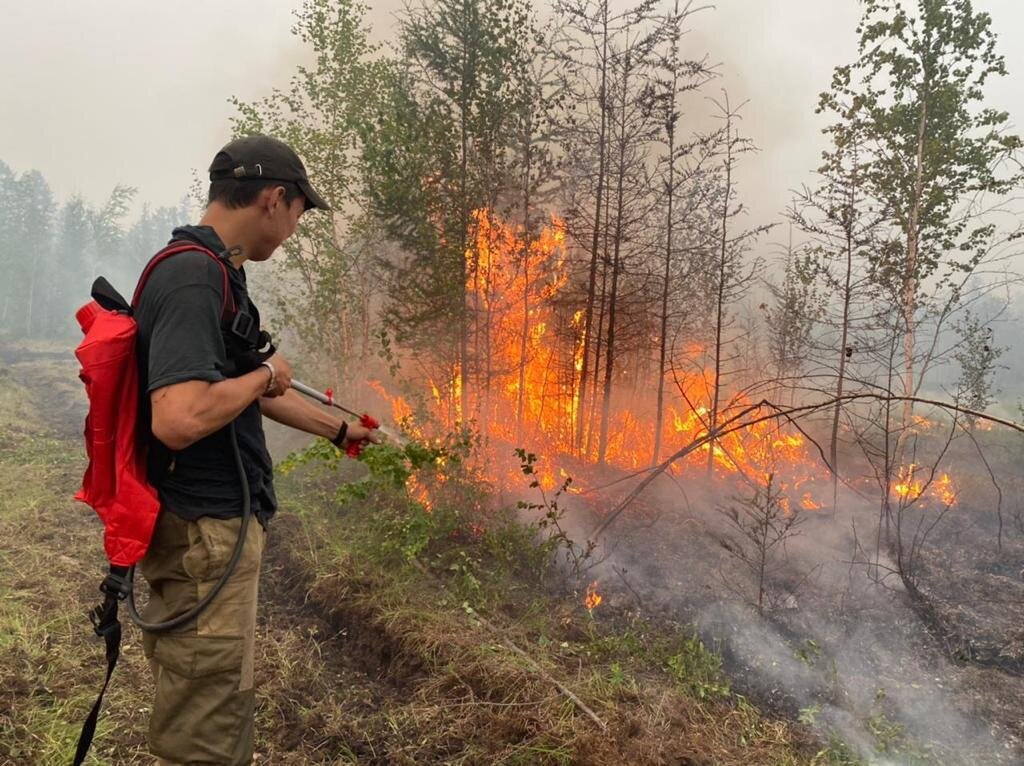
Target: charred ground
(921, 668)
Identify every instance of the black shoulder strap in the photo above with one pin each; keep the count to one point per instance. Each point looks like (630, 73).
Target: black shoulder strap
(107, 626)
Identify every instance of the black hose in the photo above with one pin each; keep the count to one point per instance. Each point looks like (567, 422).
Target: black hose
(191, 614)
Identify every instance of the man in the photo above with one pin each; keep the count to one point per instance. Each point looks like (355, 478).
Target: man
(203, 708)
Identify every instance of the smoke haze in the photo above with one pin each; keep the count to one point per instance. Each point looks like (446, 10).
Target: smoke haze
(135, 91)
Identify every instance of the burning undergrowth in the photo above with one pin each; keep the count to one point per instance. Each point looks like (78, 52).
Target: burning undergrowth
(528, 389)
(819, 622)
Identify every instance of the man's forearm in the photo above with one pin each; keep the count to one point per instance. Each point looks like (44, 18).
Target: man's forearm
(294, 411)
(186, 412)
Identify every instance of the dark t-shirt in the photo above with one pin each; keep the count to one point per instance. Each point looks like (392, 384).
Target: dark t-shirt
(180, 339)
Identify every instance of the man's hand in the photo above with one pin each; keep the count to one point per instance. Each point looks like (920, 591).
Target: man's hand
(358, 433)
(282, 376)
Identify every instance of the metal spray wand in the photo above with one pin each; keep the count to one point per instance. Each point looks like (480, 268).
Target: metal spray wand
(328, 399)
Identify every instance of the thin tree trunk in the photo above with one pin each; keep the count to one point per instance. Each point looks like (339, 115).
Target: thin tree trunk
(365, 346)
(602, 445)
(454, 401)
(592, 281)
(720, 296)
(592, 413)
(763, 549)
(567, 425)
(843, 344)
(488, 320)
(659, 414)
(525, 329)
(467, 66)
(887, 465)
(910, 276)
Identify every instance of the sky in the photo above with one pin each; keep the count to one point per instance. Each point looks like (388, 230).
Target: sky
(101, 92)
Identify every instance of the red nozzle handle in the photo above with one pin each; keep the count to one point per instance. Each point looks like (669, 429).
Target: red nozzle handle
(366, 421)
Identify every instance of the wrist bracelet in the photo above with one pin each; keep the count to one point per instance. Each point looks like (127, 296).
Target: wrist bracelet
(338, 441)
(273, 375)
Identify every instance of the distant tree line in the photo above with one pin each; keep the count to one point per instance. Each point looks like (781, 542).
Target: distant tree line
(50, 251)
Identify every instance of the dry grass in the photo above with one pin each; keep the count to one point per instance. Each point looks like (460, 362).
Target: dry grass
(469, 699)
(50, 564)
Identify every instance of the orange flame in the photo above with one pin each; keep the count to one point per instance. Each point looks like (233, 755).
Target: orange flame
(910, 487)
(525, 389)
(944, 489)
(808, 503)
(593, 599)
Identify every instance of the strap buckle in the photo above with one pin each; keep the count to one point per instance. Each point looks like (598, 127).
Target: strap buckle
(104, 616)
(242, 324)
(114, 586)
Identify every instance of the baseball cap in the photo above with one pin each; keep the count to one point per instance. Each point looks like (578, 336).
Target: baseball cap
(262, 158)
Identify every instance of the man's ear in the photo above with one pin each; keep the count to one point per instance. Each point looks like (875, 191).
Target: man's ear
(278, 195)
(265, 202)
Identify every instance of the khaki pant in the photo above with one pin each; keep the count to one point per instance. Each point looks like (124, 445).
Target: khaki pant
(204, 705)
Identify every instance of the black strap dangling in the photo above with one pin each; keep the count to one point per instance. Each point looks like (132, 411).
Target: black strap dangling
(108, 627)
